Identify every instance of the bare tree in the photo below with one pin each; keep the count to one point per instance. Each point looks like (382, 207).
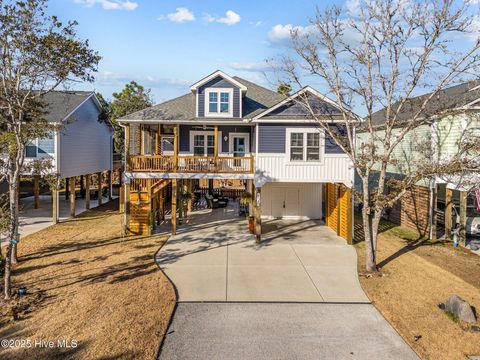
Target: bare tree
(37, 54)
(376, 58)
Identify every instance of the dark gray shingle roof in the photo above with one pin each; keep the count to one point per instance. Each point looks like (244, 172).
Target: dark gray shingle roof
(256, 100)
(450, 98)
(59, 104)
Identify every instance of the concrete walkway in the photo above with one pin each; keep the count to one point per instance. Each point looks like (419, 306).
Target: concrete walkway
(33, 220)
(281, 331)
(214, 258)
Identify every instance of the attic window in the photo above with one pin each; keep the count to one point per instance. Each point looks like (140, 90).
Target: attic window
(218, 102)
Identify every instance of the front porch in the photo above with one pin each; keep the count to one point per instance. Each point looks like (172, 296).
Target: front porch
(204, 149)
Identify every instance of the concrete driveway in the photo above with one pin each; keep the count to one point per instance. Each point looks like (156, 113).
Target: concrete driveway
(213, 258)
(281, 331)
(294, 296)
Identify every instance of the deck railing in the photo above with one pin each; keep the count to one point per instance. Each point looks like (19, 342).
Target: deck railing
(190, 164)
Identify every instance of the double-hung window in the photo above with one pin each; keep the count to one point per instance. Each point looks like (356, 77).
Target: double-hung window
(203, 145)
(219, 102)
(303, 145)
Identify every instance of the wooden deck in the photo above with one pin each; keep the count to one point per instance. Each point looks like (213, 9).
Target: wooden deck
(190, 164)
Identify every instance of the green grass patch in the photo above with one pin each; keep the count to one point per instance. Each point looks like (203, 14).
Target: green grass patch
(452, 317)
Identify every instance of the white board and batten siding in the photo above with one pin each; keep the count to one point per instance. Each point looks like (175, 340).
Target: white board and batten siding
(334, 168)
(85, 143)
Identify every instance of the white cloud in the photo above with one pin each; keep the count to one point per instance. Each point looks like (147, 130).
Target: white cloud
(254, 67)
(230, 18)
(181, 15)
(282, 34)
(109, 4)
(256, 23)
(353, 7)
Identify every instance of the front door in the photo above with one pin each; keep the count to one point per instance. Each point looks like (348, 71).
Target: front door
(239, 149)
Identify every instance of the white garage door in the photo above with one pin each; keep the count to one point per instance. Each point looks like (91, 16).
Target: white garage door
(292, 200)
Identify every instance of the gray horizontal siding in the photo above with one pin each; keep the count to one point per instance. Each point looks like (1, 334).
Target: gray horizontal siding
(218, 82)
(85, 143)
(271, 138)
(184, 137)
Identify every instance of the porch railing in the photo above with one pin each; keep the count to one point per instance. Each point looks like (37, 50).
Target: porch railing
(190, 164)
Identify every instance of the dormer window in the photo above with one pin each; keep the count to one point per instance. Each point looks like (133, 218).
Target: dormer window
(219, 102)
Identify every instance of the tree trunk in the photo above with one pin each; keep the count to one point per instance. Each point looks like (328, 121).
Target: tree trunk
(369, 232)
(7, 274)
(11, 253)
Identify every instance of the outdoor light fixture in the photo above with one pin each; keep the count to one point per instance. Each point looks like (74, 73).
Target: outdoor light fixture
(225, 138)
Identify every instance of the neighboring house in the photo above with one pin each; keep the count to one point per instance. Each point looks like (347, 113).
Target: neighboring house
(435, 206)
(82, 145)
(230, 128)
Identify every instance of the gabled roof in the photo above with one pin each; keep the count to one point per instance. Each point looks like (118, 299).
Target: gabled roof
(256, 100)
(319, 104)
(463, 96)
(213, 75)
(61, 104)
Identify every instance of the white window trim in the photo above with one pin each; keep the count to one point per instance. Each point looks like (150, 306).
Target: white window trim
(239, 134)
(205, 132)
(304, 131)
(230, 102)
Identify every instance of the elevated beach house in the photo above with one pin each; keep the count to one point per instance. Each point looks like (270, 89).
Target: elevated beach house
(227, 128)
(80, 149)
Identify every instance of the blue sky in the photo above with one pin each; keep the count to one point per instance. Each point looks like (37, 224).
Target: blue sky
(168, 45)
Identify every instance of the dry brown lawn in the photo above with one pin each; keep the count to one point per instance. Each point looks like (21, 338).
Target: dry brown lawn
(100, 289)
(415, 277)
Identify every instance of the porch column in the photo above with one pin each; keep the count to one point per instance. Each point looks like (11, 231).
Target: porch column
(448, 213)
(190, 190)
(158, 138)
(87, 191)
(250, 191)
(258, 212)
(54, 191)
(109, 177)
(162, 204)
(174, 206)
(175, 147)
(463, 217)
(127, 146)
(66, 188)
(72, 196)
(99, 175)
(127, 208)
(36, 191)
(121, 194)
(215, 152)
(82, 188)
